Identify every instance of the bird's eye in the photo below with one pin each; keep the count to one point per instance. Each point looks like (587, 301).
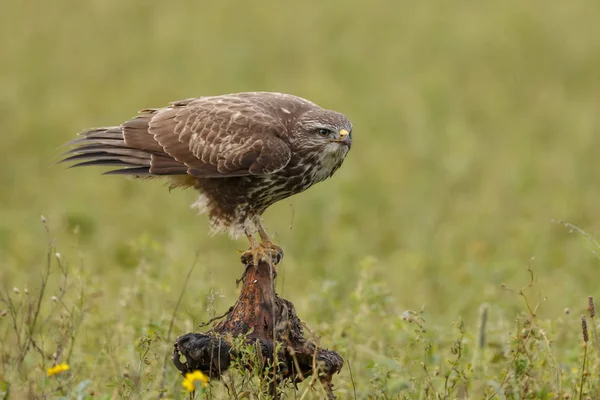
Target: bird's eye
(323, 132)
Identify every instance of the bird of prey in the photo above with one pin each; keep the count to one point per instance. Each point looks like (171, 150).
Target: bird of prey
(242, 152)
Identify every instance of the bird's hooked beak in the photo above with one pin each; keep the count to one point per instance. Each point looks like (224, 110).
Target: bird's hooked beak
(345, 138)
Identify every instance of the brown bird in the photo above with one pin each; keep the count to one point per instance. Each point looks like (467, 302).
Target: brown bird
(242, 152)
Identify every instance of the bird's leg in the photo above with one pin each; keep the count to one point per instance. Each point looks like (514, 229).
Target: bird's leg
(251, 256)
(266, 250)
(276, 252)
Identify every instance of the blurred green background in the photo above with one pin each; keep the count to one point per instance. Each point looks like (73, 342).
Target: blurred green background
(475, 125)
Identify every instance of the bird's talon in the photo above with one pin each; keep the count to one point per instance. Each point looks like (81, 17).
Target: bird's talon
(265, 252)
(273, 252)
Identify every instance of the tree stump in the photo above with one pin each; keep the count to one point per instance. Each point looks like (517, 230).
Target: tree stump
(263, 319)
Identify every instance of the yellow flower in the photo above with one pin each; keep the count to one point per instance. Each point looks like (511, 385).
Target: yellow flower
(189, 382)
(57, 369)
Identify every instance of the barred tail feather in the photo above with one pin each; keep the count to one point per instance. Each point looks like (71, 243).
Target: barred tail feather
(110, 147)
(107, 147)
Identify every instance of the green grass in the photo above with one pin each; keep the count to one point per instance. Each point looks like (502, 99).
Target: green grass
(475, 125)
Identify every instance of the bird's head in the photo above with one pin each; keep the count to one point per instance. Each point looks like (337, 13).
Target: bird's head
(325, 131)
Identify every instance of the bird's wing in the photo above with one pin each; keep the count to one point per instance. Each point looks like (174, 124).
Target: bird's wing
(220, 137)
(208, 137)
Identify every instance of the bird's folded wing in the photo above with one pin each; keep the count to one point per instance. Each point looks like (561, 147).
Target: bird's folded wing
(208, 137)
(220, 138)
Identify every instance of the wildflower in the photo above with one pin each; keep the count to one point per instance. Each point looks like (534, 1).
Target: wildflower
(189, 382)
(591, 307)
(57, 369)
(584, 329)
(16, 290)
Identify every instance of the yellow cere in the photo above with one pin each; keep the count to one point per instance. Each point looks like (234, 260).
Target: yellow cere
(343, 132)
(189, 382)
(57, 369)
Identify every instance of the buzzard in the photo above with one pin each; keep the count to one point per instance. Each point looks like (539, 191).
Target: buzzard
(242, 152)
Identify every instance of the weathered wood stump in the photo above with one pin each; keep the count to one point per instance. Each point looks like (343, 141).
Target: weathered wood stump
(263, 318)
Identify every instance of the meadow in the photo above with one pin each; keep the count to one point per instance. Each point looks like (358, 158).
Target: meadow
(440, 260)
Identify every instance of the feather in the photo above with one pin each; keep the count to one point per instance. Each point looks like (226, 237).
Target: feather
(107, 163)
(103, 134)
(128, 171)
(108, 142)
(106, 156)
(136, 134)
(93, 148)
(161, 165)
